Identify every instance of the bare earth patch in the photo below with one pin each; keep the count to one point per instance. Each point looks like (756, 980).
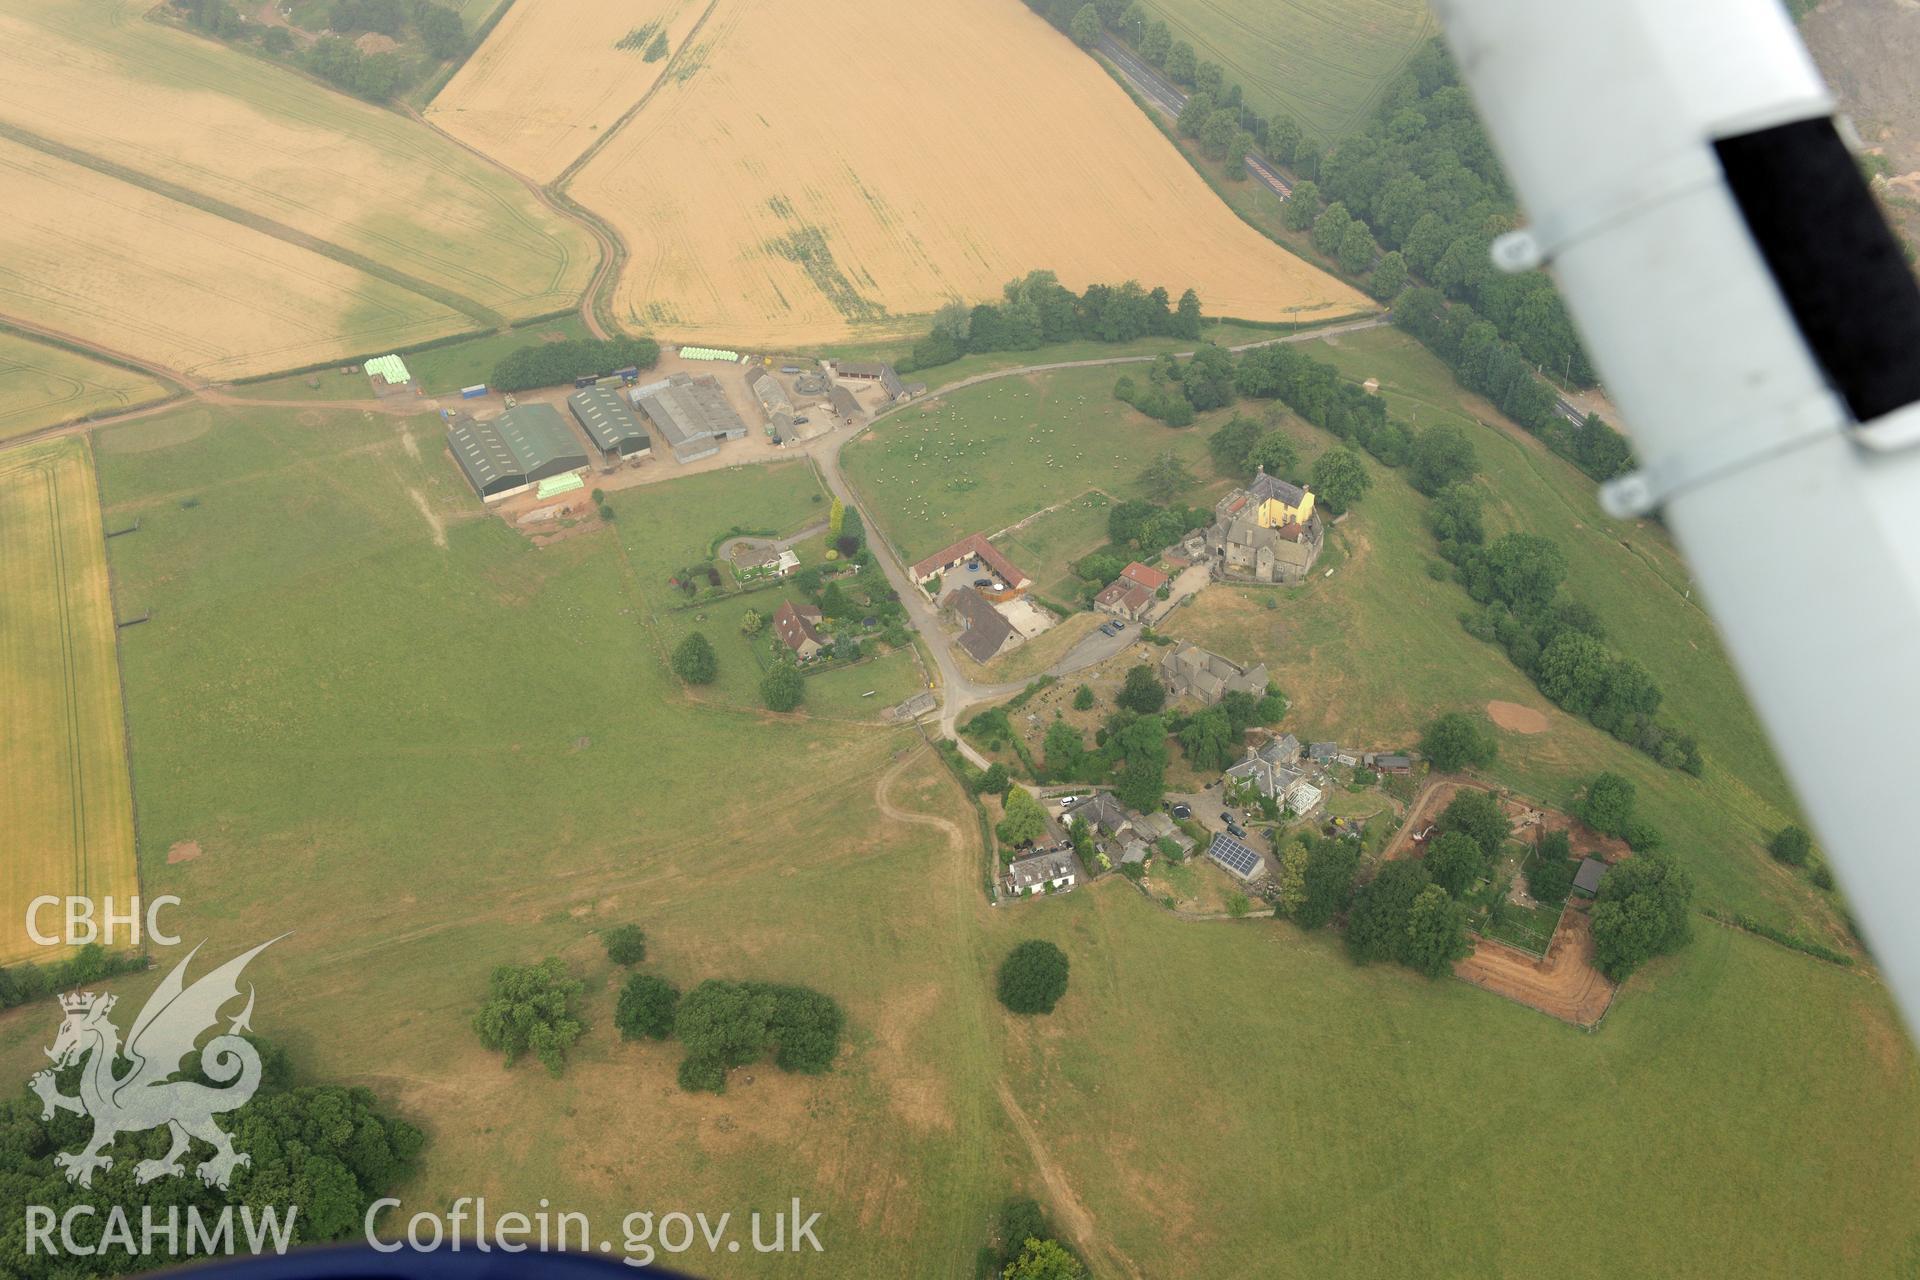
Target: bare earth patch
(1563, 985)
(1515, 718)
(183, 851)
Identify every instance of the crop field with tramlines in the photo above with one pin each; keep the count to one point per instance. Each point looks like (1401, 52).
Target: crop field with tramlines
(66, 807)
(766, 196)
(42, 384)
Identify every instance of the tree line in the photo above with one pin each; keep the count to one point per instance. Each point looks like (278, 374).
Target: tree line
(334, 57)
(325, 1152)
(1037, 309)
(24, 982)
(553, 364)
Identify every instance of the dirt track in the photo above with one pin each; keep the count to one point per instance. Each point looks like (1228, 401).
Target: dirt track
(1565, 985)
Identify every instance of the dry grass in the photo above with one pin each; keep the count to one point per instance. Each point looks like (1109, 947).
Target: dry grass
(66, 805)
(810, 173)
(552, 77)
(41, 385)
(202, 295)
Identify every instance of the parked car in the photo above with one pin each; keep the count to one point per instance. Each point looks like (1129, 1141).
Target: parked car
(1236, 830)
(983, 582)
(1067, 802)
(1226, 817)
(801, 421)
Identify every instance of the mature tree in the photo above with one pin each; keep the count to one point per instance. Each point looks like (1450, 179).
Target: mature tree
(1436, 933)
(751, 623)
(1527, 569)
(1182, 64)
(1791, 845)
(1064, 749)
(1157, 43)
(1457, 740)
(1481, 815)
(1641, 913)
(1456, 862)
(1085, 28)
(1340, 478)
(1454, 515)
(1573, 670)
(1303, 206)
(1166, 477)
(1218, 132)
(994, 780)
(1389, 277)
(1033, 977)
(1550, 874)
(1441, 456)
(1356, 248)
(1330, 228)
(1208, 739)
(529, 1008)
(783, 688)
(1275, 455)
(1292, 879)
(1143, 778)
(1045, 1260)
(1024, 821)
(695, 661)
(804, 1028)
(1208, 379)
(1187, 316)
(1143, 691)
(722, 1024)
(625, 944)
(1232, 443)
(1329, 883)
(1608, 805)
(1083, 698)
(1377, 924)
(646, 1008)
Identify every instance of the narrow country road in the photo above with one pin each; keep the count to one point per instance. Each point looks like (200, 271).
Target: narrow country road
(1167, 98)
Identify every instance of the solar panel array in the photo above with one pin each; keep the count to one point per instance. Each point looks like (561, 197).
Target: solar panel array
(1234, 856)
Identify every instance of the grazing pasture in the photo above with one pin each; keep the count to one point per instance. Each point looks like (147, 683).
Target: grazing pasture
(41, 384)
(554, 76)
(247, 136)
(1322, 62)
(203, 295)
(66, 809)
(766, 196)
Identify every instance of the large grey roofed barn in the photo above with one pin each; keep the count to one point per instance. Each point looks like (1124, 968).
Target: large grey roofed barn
(608, 421)
(693, 415)
(518, 448)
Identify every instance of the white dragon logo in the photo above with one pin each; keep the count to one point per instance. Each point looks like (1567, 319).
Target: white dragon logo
(174, 1017)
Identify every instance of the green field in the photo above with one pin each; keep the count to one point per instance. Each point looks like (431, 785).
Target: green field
(1374, 652)
(41, 385)
(1047, 547)
(1323, 63)
(1743, 1110)
(427, 759)
(440, 370)
(991, 455)
(66, 809)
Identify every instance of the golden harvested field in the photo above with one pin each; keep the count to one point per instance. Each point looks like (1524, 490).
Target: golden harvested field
(41, 385)
(95, 76)
(66, 805)
(552, 77)
(201, 294)
(819, 168)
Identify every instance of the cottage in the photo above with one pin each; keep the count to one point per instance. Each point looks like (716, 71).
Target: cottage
(1270, 531)
(1323, 752)
(1040, 873)
(795, 625)
(1268, 777)
(1132, 594)
(1104, 814)
(1586, 881)
(987, 628)
(1188, 669)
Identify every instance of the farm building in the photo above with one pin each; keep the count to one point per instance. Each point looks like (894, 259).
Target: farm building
(773, 397)
(691, 414)
(521, 447)
(609, 423)
(1189, 669)
(1586, 881)
(795, 625)
(987, 628)
(1392, 764)
(844, 405)
(976, 551)
(1105, 814)
(1041, 873)
(868, 371)
(1156, 827)
(1238, 859)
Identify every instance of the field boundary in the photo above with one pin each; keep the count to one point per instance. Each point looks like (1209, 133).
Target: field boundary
(254, 222)
(119, 671)
(666, 75)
